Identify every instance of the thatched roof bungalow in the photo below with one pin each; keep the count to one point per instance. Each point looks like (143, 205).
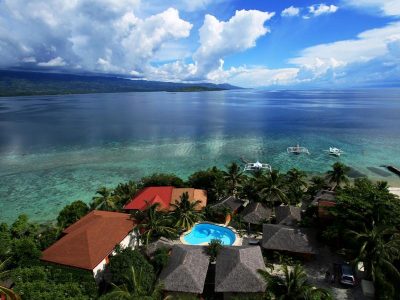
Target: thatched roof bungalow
(288, 215)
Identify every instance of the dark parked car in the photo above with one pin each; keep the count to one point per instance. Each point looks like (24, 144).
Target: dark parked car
(346, 275)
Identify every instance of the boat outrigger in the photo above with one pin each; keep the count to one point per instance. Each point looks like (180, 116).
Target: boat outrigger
(257, 166)
(334, 151)
(297, 150)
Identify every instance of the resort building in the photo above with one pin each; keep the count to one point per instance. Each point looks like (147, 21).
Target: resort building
(237, 271)
(288, 215)
(186, 270)
(256, 213)
(298, 241)
(323, 200)
(165, 196)
(88, 243)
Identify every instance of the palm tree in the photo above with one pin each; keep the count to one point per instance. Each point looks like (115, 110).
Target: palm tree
(296, 178)
(338, 174)
(378, 248)
(234, 176)
(124, 192)
(8, 293)
(185, 213)
(104, 201)
(153, 223)
(273, 187)
(133, 289)
(293, 286)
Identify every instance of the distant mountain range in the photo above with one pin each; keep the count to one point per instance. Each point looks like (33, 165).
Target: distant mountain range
(23, 83)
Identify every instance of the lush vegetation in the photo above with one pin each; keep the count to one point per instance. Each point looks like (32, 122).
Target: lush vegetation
(15, 83)
(366, 229)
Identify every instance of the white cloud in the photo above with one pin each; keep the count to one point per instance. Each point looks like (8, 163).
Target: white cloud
(321, 9)
(386, 7)
(94, 35)
(55, 62)
(219, 39)
(290, 12)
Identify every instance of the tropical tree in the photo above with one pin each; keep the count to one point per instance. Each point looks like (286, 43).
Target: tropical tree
(124, 192)
(234, 177)
(153, 223)
(72, 213)
(293, 285)
(378, 248)
(185, 214)
(104, 200)
(273, 188)
(213, 249)
(297, 178)
(338, 174)
(316, 184)
(133, 288)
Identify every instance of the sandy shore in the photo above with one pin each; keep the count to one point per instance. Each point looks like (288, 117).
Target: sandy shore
(395, 190)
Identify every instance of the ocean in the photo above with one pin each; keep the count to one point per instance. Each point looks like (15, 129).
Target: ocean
(57, 149)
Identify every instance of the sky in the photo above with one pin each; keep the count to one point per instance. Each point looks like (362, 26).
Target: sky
(249, 43)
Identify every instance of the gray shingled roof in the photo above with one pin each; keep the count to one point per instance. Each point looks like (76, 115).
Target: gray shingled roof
(284, 238)
(256, 213)
(288, 215)
(186, 269)
(236, 270)
(324, 195)
(230, 202)
(160, 243)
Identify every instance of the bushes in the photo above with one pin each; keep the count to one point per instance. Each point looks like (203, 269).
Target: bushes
(72, 213)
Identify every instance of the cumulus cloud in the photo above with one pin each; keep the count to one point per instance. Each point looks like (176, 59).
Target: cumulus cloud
(386, 7)
(291, 11)
(219, 39)
(321, 9)
(93, 35)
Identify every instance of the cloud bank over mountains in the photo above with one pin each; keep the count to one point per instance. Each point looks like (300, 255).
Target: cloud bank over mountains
(149, 39)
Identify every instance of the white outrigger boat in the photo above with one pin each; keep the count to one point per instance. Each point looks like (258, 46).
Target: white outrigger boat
(257, 166)
(297, 150)
(334, 151)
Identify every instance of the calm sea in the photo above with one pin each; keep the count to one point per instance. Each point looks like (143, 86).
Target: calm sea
(57, 149)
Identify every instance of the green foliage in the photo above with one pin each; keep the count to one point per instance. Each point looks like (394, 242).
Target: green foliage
(120, 267)
(160, 259)
(104, 200)
(211, 180)
(234, 178)
(338, 174)
(154, 224)
(161, 179)
(24, 252)
(50, 282)
(124, 192)
(293, 285)
(272, 187)
(72, 213)
(48, 235)
(23, 228)
(5, 241)
(213, 249)
(185, 214)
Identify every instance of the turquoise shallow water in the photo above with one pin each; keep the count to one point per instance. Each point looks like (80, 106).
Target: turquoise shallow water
(57, 149)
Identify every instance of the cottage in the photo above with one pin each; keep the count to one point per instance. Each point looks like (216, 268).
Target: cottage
(232, 203)
(323, 200)
(186, 270)
(288, 215)
(291, 240)
(256, 213)
(237, 271)
(165, 196)
(88, 243)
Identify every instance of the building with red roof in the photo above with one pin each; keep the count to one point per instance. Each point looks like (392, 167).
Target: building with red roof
(165, 196)
(88, 243)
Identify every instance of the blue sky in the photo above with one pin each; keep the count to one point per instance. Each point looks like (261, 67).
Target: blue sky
(264, 43)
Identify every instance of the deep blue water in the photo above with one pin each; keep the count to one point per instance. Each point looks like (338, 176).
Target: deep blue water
(56, 149)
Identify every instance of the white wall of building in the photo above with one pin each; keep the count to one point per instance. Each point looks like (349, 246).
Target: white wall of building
(129, 241)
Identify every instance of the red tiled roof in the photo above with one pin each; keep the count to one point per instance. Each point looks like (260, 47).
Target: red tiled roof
(165, 195)
(90, 240)
(151, 195)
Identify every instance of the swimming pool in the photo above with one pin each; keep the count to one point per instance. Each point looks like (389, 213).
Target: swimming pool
(204, 232)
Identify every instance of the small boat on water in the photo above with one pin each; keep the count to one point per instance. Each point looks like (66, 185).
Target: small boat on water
(334, 151)
(297, 150)
(257, 166)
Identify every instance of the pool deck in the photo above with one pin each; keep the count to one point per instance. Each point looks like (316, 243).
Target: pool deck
(238, 239)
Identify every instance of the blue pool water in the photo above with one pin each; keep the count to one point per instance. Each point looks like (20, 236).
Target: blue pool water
(204, 233)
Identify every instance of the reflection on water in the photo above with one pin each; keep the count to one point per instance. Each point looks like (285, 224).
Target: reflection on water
(57, 149)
